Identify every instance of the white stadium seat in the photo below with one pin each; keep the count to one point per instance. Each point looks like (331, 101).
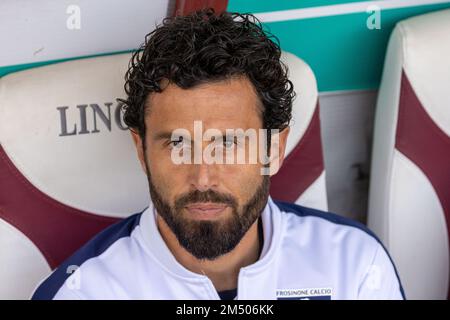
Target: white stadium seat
(301, 179)
(409, 201)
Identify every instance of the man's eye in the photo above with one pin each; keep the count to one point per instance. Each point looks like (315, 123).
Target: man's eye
(176, 143)
(228, 143)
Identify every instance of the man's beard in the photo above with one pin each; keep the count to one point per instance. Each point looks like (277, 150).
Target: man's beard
(210, 239)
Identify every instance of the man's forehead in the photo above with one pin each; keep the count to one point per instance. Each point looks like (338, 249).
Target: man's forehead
(230, 103)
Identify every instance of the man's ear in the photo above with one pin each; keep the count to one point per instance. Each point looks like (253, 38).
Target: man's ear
(139, 148)
(278, 149)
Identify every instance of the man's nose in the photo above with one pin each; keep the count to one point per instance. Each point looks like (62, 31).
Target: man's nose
(203, 176)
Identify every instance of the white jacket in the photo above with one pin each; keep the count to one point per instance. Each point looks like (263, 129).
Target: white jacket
(307, 254)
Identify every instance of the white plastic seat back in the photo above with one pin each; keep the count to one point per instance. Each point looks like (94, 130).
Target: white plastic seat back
(409, 202)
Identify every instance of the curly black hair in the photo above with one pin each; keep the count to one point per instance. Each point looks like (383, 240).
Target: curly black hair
(203, 47)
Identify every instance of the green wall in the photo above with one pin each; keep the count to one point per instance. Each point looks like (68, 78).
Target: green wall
(255, 6)
(343, 53)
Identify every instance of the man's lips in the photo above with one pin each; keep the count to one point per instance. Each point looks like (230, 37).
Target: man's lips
(206, 210)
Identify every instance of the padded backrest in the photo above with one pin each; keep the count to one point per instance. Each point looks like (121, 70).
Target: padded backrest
(68, 165)
(409, 204)
(301, 179)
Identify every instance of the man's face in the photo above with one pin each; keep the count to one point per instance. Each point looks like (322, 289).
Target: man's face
(209, 207)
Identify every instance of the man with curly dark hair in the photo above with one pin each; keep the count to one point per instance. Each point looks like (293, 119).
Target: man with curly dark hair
(225, 71)
(212, 230)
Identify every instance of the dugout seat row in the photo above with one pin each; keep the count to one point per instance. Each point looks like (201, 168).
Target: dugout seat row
(68, 167)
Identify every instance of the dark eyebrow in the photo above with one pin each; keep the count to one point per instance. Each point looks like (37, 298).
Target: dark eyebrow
(162, 135)
(165, 135)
